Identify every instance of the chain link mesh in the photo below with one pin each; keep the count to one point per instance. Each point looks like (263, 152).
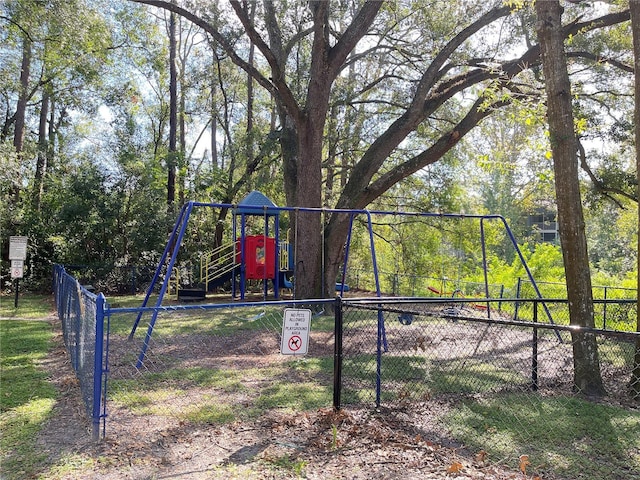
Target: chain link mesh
(214, 364)
(76, 308)
(486, 373)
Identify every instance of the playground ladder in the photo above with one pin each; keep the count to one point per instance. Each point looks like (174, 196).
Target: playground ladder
(218, 263)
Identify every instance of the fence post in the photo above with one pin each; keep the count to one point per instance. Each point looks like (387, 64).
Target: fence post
(534, 352)
(604, 310)
(518, 287)
(98, 368)
(337, 355)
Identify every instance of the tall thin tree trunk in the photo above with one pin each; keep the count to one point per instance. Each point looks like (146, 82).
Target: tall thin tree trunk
(634, 9)
(21, 108)
(182, 114)
(173, 113)
(43, 150)
(182, 156)
(564, 146)
(53, 132)
(250, 95)
(214, 111)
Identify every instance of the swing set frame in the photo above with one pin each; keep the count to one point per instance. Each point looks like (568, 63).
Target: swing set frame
(174, 242)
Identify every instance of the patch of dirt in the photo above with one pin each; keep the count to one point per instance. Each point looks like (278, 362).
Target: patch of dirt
(323, 444)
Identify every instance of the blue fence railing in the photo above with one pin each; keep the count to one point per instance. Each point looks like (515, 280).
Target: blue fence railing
(82, 315)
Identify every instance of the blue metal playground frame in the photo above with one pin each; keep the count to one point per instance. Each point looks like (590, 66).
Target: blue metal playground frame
(175, 240)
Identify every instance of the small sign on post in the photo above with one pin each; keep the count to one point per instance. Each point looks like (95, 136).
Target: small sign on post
(18, 248)
(17, 268)
(295, 331)
(17, 255)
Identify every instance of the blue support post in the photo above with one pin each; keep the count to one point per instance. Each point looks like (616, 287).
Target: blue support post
(179, 222)
(529, 274)
(381, 343)
(243, 256)
(98, 370)
(234, 236)
(265, 283)
(276, 235)
(484, 266)
(346, 253)
(165, 283)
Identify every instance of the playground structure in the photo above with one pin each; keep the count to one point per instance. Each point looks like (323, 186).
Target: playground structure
(259, 256)
(265, 257)
(248, 257)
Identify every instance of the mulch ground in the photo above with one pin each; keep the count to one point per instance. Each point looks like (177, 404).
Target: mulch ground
(322, 444)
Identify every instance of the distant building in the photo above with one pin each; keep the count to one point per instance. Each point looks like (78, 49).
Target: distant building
(543, 226)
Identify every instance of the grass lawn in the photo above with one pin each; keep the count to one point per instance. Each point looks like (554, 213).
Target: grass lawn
(26, 396)
(569, 436)
(30, 306)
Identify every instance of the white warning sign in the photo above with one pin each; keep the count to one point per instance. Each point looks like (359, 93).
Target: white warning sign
(295, 331)
(18, 248)
(17, 268)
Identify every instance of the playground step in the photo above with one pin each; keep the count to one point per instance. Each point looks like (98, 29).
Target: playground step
(191, 294)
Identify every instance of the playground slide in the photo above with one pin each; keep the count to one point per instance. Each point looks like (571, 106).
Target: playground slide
(218, 281)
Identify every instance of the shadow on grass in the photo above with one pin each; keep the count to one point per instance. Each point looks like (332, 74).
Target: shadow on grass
(567, 436)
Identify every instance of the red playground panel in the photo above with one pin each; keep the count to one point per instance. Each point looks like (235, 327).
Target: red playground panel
(260, 257)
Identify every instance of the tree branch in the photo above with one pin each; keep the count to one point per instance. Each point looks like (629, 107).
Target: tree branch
(432, 154)
(381, 148)
(600, 186)
(599, 59)
(353, 34)
(217, 36)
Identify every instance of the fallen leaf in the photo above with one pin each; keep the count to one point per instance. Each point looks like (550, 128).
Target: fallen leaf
(481, 456)
(455, 467)
(524, 461)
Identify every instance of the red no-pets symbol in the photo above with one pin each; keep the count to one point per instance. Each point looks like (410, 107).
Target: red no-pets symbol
(295, 342)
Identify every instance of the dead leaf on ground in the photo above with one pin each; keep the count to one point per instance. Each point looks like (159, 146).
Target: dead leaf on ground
(481, 457)
(455, 467)
(524, 461)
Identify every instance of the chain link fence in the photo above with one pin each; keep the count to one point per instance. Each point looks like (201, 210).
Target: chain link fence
(215, 364)
(78, 310)
(494, 375)
(114, 279)
(488, 375)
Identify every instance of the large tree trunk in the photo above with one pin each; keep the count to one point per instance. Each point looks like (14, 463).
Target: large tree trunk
(301, 142)
(634, 8)
(303, 188)
(587, 377)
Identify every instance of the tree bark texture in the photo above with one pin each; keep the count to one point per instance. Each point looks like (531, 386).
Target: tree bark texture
(21, 107)
(564, 146)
